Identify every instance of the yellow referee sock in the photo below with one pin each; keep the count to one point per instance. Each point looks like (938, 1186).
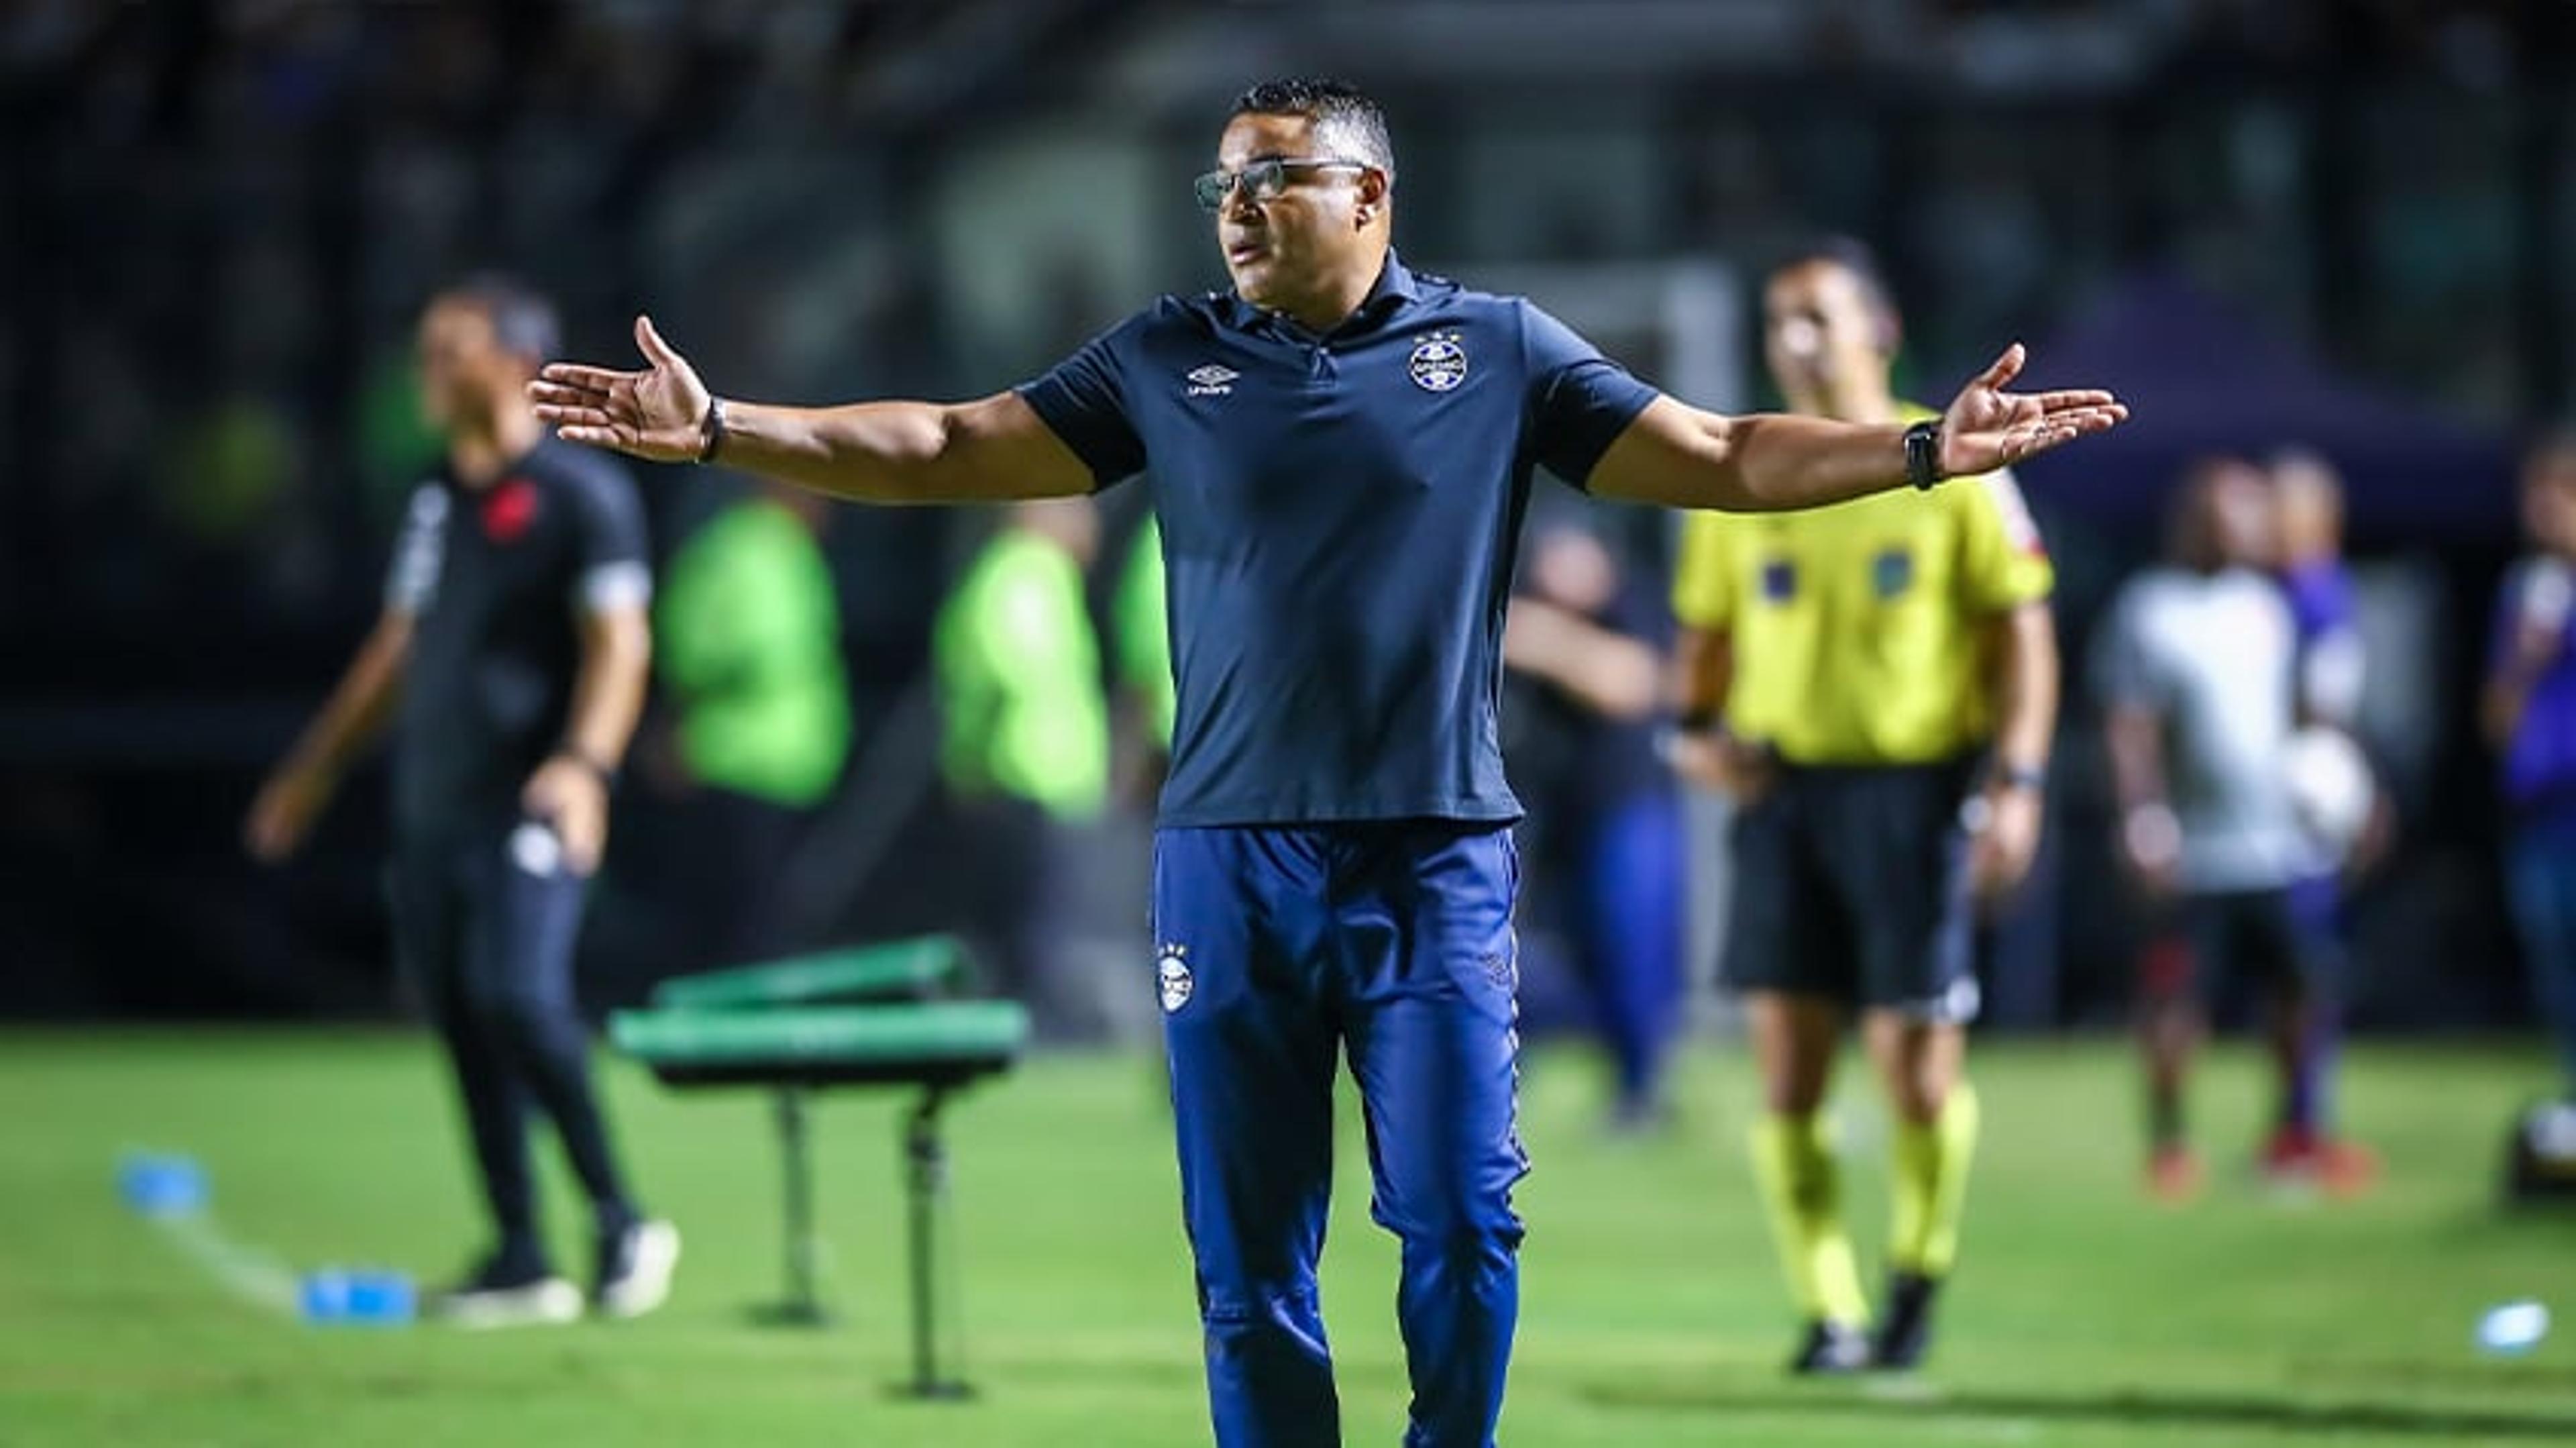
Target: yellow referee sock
(1802, 1184)
(1931, 1181)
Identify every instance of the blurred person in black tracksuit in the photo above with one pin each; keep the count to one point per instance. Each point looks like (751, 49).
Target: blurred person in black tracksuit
(512, 654)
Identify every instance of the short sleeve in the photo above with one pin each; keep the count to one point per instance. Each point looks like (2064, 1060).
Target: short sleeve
(2005, 562)
(1083, 401)
(1579, 400)
(412, 579)
(2124, 668)
(1704, 574)
(612, 564)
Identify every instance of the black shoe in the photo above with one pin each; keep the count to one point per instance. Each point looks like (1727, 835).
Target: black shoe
(1637, 1118)
(1905, 1333)
(1830, 1348)
(510, 1290)
(634, 1270)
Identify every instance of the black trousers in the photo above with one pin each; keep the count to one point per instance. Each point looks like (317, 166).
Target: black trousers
(485, 923)
(1021, 907)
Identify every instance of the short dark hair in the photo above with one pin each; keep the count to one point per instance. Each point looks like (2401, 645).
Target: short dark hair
(523, 319)
(1855, 257)
(1350, 124)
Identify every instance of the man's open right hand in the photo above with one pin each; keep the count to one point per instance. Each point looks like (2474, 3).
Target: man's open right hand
(654, 414)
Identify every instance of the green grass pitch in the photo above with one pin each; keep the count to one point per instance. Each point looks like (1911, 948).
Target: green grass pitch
(1652, 1313)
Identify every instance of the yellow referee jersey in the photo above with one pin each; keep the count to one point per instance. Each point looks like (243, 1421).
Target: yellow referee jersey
(1859, 630)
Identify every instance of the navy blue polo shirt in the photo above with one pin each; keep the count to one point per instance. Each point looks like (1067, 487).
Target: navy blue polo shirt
(1340, 516)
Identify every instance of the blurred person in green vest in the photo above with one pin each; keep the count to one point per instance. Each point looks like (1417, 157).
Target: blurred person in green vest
(750, 660)
(1141, 626)
(1025, 751)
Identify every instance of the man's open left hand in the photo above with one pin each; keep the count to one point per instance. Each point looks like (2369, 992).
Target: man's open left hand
(1988, 428)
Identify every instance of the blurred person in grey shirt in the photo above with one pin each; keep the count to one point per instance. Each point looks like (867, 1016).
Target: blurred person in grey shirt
(2198, 673)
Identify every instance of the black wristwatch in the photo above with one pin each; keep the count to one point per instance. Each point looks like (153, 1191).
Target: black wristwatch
(711, 429)
(1923, 454)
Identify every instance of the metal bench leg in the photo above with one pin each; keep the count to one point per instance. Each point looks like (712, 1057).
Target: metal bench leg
(926, 1186)
(803, 1306)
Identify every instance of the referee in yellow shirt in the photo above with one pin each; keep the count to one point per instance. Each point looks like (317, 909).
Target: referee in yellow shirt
(1875, 684)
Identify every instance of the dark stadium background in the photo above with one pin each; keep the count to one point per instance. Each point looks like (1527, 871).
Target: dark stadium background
(2339, 225)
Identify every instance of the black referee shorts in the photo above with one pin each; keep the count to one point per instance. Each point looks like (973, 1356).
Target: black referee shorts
(1851, 884)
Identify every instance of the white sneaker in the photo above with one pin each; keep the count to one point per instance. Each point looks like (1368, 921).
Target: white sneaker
(635, 1269)
(533, 1302)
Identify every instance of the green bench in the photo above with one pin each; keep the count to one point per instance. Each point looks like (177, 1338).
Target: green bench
(868, 1016)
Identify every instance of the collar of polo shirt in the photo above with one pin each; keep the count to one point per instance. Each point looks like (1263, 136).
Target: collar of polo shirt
(1395, 286)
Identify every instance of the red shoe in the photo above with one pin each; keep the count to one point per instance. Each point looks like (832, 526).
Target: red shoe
(2346, 1168)
(2297, 1157)
(2173, 1175)
(2289, 1157)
